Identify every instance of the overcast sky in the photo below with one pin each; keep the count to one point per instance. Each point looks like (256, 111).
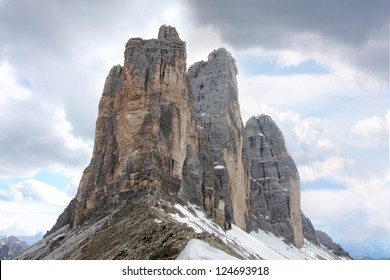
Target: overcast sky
(319, 68)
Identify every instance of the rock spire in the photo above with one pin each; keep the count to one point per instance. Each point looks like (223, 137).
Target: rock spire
(274, 184)
(213, 86)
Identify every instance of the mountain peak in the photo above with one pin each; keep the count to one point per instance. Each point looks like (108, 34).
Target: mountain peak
(219, 54)
(168, 33)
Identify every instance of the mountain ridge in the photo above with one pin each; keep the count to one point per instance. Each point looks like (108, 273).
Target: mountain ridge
(10, 246)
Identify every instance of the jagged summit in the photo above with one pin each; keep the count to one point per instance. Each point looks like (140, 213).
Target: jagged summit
(172, 161)
(221, 54)
(168, 33)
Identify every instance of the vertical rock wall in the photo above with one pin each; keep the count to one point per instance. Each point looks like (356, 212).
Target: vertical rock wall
(213, 87)
(274, 183)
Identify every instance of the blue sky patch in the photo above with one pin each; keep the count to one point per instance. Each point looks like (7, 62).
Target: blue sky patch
(56, 179)
(6, 182)
(250, 65)
(322, 183)
(24, 82)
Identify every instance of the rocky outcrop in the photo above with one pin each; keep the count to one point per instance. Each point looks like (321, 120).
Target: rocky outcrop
(274, 184)
(213, 88)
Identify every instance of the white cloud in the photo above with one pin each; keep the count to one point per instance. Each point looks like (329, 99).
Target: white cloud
(332, 167)
(172, 14)
(36, 136)
(360, 211)
(251, 106)
(26, 224)
(372, 131)
(32, 189)
(290, 58)
(30, 206)
(324, 204)
(64, 129)
(36, 133)
(10, 88)
(306, 90)
(311, 131)
(200, 42)
(3, 195)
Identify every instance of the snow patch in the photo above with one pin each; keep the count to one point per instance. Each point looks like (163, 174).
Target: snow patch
(189, 219)
(199, 250)
(256, 245)
(219, 167)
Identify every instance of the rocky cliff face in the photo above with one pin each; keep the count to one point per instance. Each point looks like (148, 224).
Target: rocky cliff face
(274, 204)
(142, 125)
(147, 135)
(274, 183)
(213, 87)
(172, 161)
